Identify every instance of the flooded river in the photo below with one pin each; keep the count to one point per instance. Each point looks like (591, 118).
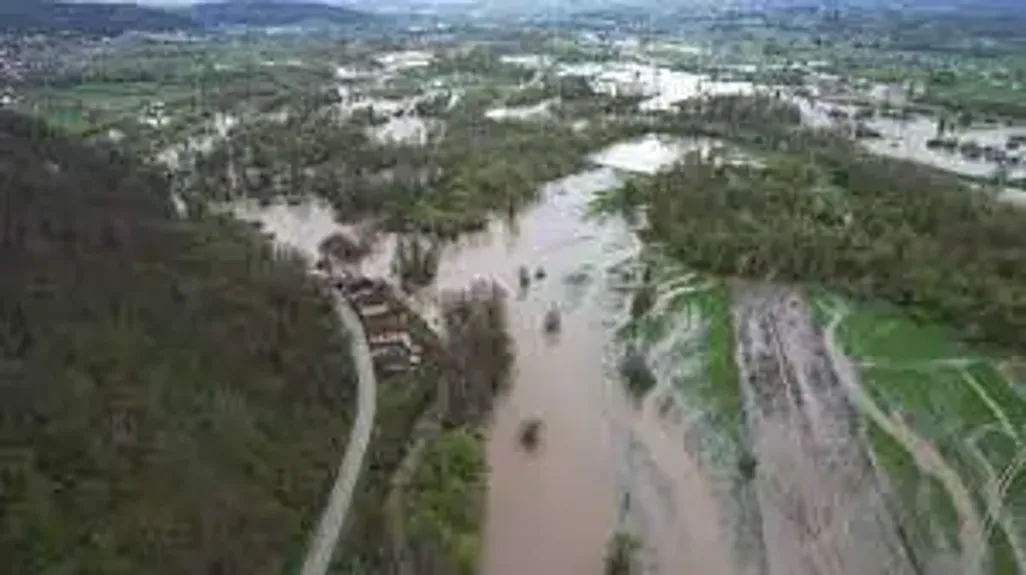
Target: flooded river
(554, 510)
(659, 467)
(603, 464)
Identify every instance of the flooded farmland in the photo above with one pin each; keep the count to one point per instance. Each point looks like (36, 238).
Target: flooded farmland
(554, 510)
(670, 465)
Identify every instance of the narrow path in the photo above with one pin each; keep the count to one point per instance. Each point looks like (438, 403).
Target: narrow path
(324, 540)
(926, 456)
(994, 489)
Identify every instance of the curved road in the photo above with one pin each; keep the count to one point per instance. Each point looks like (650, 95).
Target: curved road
(323, 541)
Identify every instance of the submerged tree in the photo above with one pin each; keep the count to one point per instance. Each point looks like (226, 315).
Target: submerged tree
(344, 248)
(636, 372)
(480, 349)
(416, 260)
(621, 556)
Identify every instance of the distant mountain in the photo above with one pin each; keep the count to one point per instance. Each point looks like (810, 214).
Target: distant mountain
(267, 13)
(44, 16)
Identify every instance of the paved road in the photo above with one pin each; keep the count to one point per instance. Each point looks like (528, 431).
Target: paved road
(323, 541)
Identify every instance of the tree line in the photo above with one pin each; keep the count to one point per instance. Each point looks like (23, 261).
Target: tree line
(871, 227)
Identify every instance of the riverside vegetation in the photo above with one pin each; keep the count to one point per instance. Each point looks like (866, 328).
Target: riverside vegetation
(445, 500)
(929, 264)
(871, 228)
(443, 497)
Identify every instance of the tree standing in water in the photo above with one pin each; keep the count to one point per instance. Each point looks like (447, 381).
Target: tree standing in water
(621, 558)
(480, 348)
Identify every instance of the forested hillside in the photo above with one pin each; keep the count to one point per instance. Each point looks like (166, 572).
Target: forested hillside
(174, 395)
(99, 18)
(46, 16)
(273, 13)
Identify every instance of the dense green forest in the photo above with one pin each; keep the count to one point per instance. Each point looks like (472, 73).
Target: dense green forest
(871, 227)
(175, 393)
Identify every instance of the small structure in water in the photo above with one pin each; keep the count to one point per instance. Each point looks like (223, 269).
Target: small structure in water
(525, 277)
(530, 433)
(539, 274)
(553, 320)
(747, 466)
(636, 373)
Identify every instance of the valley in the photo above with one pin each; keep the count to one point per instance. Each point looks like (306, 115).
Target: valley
(761, 284)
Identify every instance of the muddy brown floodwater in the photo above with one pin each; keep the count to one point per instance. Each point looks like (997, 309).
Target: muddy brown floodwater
(604, 463)
(553, 510)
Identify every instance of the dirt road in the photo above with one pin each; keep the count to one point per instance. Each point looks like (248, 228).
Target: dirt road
(324, 540)
(822, 512)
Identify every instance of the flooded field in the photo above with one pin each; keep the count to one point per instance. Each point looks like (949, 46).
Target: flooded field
(821, 507)
(538, 111)
(908, 140)
(649, 154)
(662, 86)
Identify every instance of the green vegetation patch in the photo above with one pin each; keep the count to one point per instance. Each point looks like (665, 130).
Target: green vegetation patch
(683, 300)
(445, 500)
(714, 304)
(888, 335)
(919, 502)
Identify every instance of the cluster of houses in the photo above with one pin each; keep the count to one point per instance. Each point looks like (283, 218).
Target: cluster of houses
(385, 321)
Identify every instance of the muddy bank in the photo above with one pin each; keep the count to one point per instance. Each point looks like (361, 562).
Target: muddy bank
(821, 508)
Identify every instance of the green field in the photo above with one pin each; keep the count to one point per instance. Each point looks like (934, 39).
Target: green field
(690, 324)
(962, 404)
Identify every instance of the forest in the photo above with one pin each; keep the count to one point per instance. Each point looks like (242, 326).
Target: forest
(870, 227)
(175, 393)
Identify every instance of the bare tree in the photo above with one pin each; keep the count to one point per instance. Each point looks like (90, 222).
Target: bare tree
(480, 349)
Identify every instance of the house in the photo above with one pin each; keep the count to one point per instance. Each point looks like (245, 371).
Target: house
(372, 309)
(394, 358)
(389, 338)
(385, 323)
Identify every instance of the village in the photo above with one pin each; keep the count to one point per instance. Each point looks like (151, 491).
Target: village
(386, 321)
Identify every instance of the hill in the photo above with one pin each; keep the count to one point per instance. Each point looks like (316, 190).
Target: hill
(31, 16)
(174, 394)
(268, 13)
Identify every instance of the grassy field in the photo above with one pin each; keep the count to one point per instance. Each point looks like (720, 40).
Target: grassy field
(963, 404)
(688, 337)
